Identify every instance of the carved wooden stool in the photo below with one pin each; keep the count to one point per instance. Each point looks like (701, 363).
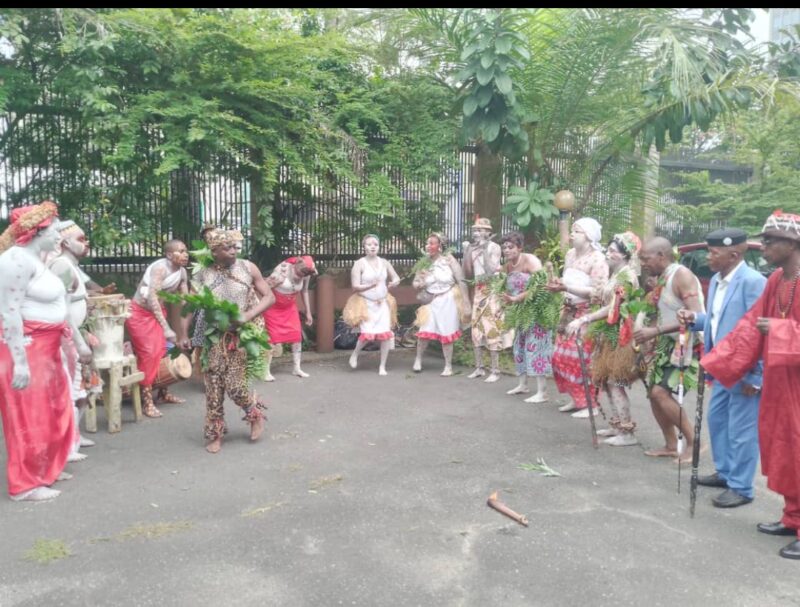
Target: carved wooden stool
(116, 375)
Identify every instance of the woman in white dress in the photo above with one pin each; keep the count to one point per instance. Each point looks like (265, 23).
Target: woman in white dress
(372, 308)
(446, 298)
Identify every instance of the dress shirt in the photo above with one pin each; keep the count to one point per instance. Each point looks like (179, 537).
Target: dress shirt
(719, 297)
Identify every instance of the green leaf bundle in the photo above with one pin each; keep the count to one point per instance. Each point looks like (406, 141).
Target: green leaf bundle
(220, 316)
(540, 306)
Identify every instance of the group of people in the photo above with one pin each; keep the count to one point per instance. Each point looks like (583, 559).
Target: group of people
(46, 370)
(609, 335)
(750, 337)
(269, 302)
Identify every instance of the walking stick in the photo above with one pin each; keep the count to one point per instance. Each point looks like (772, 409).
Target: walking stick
(681, 371)
(698, 422)
(586, 389)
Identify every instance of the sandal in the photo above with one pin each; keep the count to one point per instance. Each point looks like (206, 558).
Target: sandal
(148, 406)
(166, 397)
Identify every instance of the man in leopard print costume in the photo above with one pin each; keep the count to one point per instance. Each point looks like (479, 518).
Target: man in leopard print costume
(241, 282)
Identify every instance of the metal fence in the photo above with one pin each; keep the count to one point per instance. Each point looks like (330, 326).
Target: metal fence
(53, 156)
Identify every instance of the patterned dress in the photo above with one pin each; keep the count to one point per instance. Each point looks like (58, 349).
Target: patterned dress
(487, 326)
(533, 347)
(592, 270)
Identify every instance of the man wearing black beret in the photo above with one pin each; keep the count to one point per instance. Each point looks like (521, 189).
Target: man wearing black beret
(733, 413)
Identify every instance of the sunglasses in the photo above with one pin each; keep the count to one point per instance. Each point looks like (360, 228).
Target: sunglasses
(770, 240)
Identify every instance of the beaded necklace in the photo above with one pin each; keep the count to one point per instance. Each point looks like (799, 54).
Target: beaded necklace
(784, 311)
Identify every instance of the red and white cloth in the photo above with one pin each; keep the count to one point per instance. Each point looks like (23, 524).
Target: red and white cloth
(147, 340)
(38, 422)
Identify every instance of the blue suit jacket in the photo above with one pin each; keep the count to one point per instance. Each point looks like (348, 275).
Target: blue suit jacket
(743, 291)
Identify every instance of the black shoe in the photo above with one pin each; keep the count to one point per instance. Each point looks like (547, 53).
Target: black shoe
(730, 499)
(775, 529)
(791, 551)
(712, 480)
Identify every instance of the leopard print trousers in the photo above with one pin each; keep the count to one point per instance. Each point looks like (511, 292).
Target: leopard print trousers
(226, 373)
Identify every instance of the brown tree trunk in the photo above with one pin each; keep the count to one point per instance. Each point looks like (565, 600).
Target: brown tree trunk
(489, 185)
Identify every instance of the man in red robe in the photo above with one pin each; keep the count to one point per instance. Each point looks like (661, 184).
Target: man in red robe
(772, 329)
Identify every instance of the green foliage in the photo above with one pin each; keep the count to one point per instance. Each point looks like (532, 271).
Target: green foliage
(634, 301)
(663, 352)
(201, 255)
(493, 48)
(768, 140)
(46, 551)
(540, 306)
(425, 263)
(221, 318)
(550, 250)
(540, 466)
(531, 204)
(254, 340)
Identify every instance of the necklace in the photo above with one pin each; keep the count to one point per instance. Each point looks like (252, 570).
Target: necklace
(513, 266)
(784, 311)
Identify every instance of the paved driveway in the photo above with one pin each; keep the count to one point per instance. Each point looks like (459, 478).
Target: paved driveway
(372, 491)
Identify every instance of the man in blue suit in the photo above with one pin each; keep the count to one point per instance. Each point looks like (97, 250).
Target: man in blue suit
(732, 414)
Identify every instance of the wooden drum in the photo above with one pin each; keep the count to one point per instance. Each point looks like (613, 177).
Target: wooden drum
(106, 320)
(172, 370)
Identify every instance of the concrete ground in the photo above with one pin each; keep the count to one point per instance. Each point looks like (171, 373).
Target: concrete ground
(368, 490)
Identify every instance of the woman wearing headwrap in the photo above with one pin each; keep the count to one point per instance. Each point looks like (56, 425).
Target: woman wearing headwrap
(585, 273)
(236, 281)
(441, 285)
(283, 317)
(371, 307)
(613, 358)
(35, 398)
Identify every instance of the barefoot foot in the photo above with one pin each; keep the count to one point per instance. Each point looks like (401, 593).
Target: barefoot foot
(214, 446)
(663, 452)
(256, 428)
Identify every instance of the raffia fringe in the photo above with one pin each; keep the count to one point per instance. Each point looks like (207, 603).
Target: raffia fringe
(618, 365)
(393, 309)
(355, 311)
(423, 315)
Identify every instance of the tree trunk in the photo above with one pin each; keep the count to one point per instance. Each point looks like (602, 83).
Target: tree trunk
(489, 185)
(260, 254)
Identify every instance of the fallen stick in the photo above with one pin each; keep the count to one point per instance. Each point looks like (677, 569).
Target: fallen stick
(493, 502)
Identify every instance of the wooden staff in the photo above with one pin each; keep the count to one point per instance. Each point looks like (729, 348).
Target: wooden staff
(493, 502)
(698, 422)
(681, 390)
(587, 390)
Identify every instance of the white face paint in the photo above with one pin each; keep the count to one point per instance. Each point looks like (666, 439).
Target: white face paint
(371, 246)
(577, 238)
(49, 238)
(614, 256)
(479, 236)
(76, 243)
